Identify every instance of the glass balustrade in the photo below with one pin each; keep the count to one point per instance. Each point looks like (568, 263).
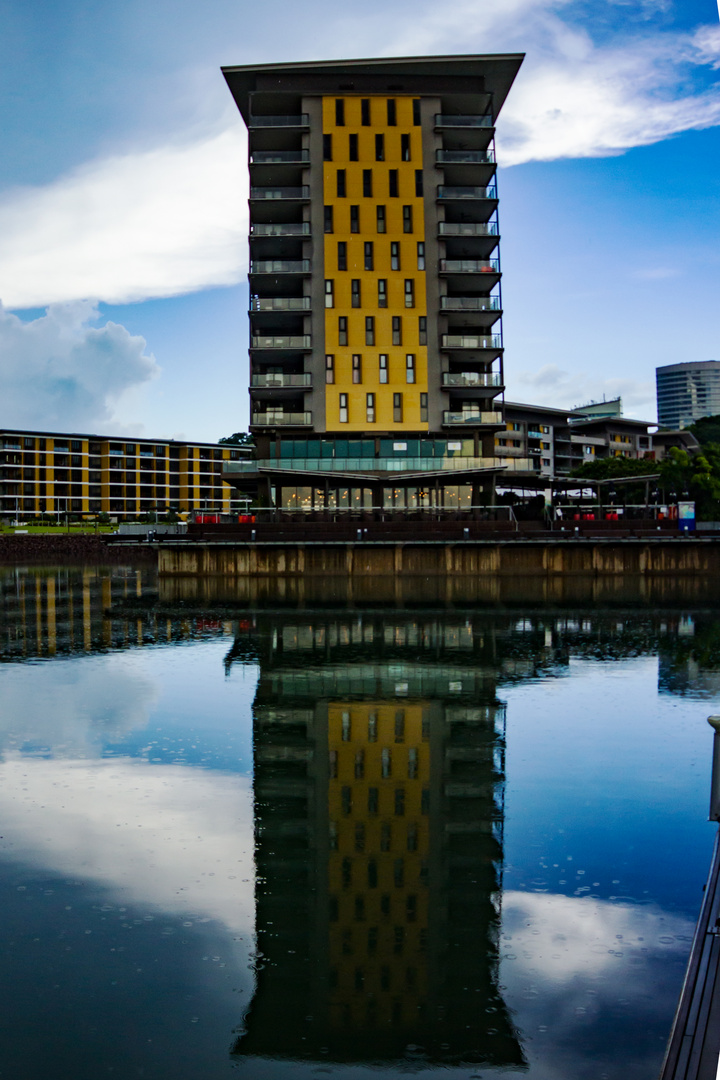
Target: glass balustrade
(445, 192)
(470, 303)
(464, 418)
(280, 192)
(278, 157)
(465, 157)
(471, 378)
(468, 228)
(279, 380)
(300, 120)
(280, 303)
(280, 266)
(470, 266)
(277, 419)
(483, 120)
(470, 341)
(362, 464)
(294, 341)
(295, 228)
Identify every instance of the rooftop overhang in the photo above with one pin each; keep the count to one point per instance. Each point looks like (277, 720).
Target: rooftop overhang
(311, 476)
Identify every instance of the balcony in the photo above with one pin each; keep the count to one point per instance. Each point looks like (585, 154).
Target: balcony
(280, 157)
(297, 341)
(471, 419)
(444, 192)
(362, 464)
(281, 419)
(280, 303)
(470, 303)
(280, 266)
(295, 228)
(470, 341)
(480, 121)
(279, 381)
(469, 379)
(465, 157)
(287, 193)
(301, 121)
(469, 266)
(468, 228)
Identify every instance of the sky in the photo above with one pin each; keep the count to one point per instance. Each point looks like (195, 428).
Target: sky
(123, 196)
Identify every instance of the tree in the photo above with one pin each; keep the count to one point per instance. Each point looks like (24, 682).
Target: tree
(706, 430)
(240, 438)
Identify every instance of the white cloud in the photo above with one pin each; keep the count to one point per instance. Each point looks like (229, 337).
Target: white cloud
(557, 388)
(59, 371)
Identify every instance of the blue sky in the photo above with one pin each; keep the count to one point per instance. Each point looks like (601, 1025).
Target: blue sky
(123, 196)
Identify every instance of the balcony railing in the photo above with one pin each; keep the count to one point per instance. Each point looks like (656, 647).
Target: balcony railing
(470, 341)
(468, 228)
(470, 266)
(294, 341)
(445, 192)
(280, 303)
(465, 419)
(280, 192)
(301, 120)
(294, 228)
(471, 378)
(363, 464)
(465, 157)
(280, 266)
(470, 303)
(479, 121)
(276, 380)
(278, 419)
(279, 157)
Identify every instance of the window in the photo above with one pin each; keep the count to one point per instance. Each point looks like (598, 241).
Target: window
(342, 255)
(424, 408)
(385, 764)
(393, 183)
(329, 368)
(407, 219)
(341, 183)
(355, 292)
(381, 223)
(410, 368)
(328, 219)
(327, 147)
(367, 183)
(421, 256)
(343, 408)
(397, 330)
(357, 368)
(342, 330)
(370, 330)
(352, 147)
(372, 727)
(370, 408)
(373, 800)
(329, 293)
(369, 258)
(354, 219)
(409, 292)
(404, 147)
(397, 408)
(383, 367)
(422, 330)
(418, 182)
(416, 112)
(339, 112)
(379, 147)
(399, 803)
(395, 255)
(365, 112)
(391, 113)
(382, 292)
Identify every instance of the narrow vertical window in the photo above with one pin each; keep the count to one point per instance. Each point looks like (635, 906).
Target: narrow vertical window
(369, 256)
(354, 219)
(391, 112)
(372, 727)
(381, 221)
(327, 147)
(385, 756)
(422, 330)
(383, 368)
(342, 255)
(367, 183)
(421, 256)
(370, 408)
(386, 839)
(365, 112)
(416, 112)
(382, 292)
(396, 330)
(410, 368)
(343, 408)
(339, 112)
(393, 183)
(397, 408)
(394, 255)
(352, 147)
(329, 368)
(404, 147)
(380, 147)
(357, 368)
(407, 219)
(424, 408)
(418, 182)
(355, 292)
(328, 214)
(341, 183)
(346, 723)
(370, 330)
(329, 293)
(399, 804)
(342, 330)
(409, 292)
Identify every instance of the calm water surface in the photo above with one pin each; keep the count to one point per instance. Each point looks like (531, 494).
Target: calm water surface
(340, 840)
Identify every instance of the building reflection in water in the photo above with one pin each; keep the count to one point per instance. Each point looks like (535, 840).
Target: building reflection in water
(379, 771)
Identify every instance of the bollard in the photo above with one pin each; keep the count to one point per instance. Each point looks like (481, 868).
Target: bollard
(466, 532)
(359, 534)
(253, 534)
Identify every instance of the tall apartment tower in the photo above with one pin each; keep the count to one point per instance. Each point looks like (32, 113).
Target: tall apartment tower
(375, 306)
(687, 392)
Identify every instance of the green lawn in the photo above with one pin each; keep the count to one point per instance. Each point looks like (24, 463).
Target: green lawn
(75, 527)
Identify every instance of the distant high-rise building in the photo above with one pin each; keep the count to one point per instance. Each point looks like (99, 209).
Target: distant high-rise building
(687, 392)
